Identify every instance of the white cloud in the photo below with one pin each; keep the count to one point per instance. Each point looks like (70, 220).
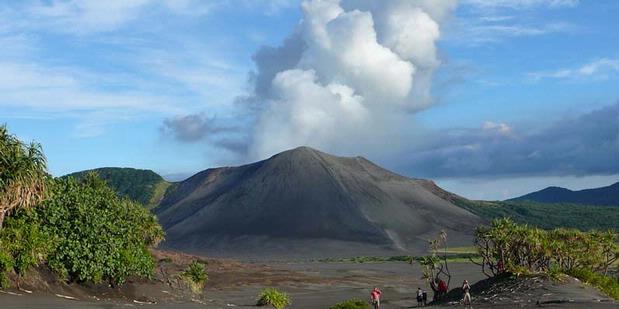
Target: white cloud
(308, 113)
(64, 89)
(493, 21)
(494, 32)
(522, 4)
(481, 29)
(499, 128)
(600, 68)
(362, 66)
(84, 17)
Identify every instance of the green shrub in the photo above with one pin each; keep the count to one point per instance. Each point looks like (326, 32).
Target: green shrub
(606, 284)
(195, 275)
(6, 264)
(351, 304)
(99, 236)
(273, 297)
(555, 273)
(24, 242)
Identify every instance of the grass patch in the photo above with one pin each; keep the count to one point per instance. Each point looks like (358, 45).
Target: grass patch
(273, 297)
(452, 257)
(606, 284)
(459, 250)
(351, 304)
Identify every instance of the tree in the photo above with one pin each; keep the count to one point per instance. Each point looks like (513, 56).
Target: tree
(435, 265)
(23, 174)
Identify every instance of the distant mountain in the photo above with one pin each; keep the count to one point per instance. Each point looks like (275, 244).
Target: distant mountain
(608, 196)
(143, 186)
(304, 202)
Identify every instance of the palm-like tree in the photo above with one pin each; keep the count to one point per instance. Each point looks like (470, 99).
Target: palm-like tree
(23, 174)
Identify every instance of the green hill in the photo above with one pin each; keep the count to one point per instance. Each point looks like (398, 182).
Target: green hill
(547, 216)
(608, 196)
(143, 186)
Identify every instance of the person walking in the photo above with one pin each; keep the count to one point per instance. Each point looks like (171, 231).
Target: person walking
(425, 298)
(419, 297)
(466, 289)
(375, 298)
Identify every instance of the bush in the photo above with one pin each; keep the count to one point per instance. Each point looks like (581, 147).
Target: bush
(606, 284)
(23, 243)
(273, 297)
(98, 236)
(6, 264)
(351, 304)
(196, 277)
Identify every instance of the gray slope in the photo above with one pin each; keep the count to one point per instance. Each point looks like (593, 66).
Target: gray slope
(302, 202)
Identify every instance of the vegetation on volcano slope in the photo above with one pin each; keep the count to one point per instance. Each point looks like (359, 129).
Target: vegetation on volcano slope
(143, 186)
(547, 216)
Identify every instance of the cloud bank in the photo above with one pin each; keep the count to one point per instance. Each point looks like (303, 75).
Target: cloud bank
(584, 145)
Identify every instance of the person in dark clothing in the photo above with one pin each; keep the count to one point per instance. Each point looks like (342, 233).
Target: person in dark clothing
(419, 297)
(425, 298)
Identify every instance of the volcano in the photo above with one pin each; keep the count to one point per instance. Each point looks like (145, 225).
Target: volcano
(306, 203)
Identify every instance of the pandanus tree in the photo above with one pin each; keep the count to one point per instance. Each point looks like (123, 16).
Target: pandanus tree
(23, 174)
(435, 266)
(522, 248)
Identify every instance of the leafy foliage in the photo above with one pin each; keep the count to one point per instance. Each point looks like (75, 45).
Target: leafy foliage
(24, 242)
(547, 216)
(83, 230)
(196, 276)
(519, 248)
(143, 186)
(273, 297)
(351, 304)
(23, 174)
(605, 283)
(6, 264)
(99, 236)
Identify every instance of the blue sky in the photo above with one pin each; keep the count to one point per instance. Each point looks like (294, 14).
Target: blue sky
(168, 86)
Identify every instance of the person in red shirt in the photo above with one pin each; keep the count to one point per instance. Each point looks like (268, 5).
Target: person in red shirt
(375, 298)
(501, 267)
(442, 288)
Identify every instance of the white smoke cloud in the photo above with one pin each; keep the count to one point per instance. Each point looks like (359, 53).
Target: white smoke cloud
(360, 65)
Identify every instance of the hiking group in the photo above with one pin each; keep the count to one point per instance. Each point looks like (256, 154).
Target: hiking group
(422, 295)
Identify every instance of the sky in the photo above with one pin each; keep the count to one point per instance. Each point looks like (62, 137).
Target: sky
(492, 99)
